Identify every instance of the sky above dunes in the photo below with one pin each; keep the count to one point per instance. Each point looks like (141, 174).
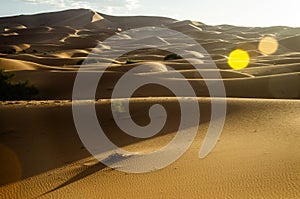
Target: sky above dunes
(234, 12)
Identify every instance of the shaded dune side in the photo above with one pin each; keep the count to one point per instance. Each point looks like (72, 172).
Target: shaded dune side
(54, 128)
(59, 85)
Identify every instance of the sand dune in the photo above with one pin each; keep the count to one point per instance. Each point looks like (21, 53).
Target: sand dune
(96, 17)
(85, 29)
(249, 160)
(291, 42)
(16, 65)
(41, 154)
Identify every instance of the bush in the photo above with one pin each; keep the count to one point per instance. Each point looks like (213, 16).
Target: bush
(15, 91)
(172, 56)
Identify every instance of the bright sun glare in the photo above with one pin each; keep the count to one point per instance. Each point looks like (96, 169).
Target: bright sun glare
(238, 59)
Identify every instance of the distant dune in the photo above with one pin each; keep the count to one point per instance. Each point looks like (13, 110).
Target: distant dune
(59, 41)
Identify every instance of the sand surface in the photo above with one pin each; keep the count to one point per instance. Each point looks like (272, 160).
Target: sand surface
(257, 155)
(42, 156)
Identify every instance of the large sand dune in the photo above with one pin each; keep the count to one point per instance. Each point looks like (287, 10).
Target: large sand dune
(41, 154)
(65, 38)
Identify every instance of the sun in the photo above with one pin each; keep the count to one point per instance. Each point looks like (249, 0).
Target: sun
(238, 59)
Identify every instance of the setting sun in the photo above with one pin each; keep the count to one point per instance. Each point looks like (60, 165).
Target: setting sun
(238, 59)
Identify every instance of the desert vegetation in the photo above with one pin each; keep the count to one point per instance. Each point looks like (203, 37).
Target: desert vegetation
(10, 90)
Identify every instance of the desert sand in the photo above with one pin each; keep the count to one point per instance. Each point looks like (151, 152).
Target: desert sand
(42, 156)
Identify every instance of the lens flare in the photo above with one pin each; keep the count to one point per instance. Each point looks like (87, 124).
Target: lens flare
(268, 45)
(238, 59)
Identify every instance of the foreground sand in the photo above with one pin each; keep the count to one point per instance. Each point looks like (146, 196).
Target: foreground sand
(257, 155)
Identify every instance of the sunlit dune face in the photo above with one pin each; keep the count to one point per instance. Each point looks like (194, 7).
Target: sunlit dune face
(268, 45)
(238, 59)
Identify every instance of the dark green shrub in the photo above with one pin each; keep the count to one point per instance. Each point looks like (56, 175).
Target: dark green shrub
(15, 91)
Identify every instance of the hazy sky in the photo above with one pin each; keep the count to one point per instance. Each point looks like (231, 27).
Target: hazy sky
(236, 12)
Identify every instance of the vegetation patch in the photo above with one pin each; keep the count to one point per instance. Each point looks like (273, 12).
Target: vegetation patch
(10, 90)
